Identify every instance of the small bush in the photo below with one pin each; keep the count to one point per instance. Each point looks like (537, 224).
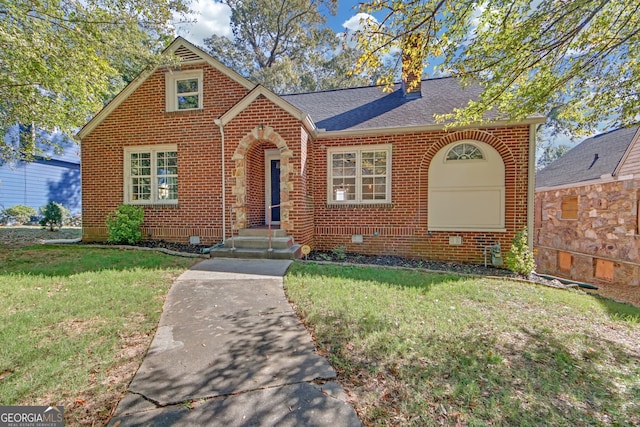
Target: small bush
(18, 214)
(520, 259)
(125, 224)
(54, 216)
(340, 252)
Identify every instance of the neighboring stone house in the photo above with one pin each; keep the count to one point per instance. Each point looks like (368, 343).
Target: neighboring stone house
(207, 152)
(52, 176)
(587, 221)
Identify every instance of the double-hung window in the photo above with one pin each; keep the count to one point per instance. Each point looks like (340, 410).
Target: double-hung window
(359, 175)
(151, 175)
(184, 90)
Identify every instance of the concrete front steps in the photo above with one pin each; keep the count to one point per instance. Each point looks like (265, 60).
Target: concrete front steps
(254, 243)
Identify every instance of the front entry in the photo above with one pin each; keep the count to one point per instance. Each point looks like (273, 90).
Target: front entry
(272, 185)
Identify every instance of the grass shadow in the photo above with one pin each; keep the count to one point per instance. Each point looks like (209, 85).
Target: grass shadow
(404, 278)
(440, 349)
(65, 261)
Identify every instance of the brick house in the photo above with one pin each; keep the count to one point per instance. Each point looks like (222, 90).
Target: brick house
(206, 152)
(587, 223)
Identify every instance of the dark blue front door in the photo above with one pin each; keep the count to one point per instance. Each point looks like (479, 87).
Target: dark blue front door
(275, 189)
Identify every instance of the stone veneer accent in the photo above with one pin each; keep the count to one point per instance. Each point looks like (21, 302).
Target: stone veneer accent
(258, 134)
(606, 230)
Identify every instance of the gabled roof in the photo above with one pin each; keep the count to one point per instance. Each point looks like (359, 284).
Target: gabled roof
(366, 108)
(187, 53)
(261, 91)
(591, 159)
(362, 109)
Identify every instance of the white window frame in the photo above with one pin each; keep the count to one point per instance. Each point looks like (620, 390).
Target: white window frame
(358, 150)
(171, 89)
(153, 150)
(477, 148)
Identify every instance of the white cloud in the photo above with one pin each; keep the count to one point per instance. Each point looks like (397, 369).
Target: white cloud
(211, 18)
(353, 25)
(355, 22)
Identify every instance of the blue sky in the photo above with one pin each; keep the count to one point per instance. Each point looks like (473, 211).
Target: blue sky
(213, 18)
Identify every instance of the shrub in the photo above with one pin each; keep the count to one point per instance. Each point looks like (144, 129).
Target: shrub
(125, 224)
(520, 259)
(54, 216)
(18, 214)
(340, 252)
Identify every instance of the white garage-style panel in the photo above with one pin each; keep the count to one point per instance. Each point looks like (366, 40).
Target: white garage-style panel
(466, 188)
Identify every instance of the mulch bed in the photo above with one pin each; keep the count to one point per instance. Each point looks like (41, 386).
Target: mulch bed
(620, 293)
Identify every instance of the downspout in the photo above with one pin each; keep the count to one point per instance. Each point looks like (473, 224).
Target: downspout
(531, 188)
(224, 185)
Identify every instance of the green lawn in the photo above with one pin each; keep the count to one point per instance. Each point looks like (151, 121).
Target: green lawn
(412, 348)
(425, 349)
(75, 323)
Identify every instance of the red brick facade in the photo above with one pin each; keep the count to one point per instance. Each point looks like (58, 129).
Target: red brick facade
(399, 227)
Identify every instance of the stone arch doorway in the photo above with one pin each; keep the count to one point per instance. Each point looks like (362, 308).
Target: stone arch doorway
(249, 162)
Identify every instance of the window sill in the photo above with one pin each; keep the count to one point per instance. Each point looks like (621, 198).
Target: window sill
(468, 230)
(154, 205)
(183, 112)
(359, 205)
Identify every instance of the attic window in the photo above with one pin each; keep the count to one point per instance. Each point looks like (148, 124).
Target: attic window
(465, 151)
(184, 90)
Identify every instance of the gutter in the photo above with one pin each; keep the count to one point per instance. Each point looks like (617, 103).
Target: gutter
(531, 185)
(219, 123)
(323, 133)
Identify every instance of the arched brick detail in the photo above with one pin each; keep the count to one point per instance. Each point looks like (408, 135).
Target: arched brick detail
(239, 187)
(468, 134)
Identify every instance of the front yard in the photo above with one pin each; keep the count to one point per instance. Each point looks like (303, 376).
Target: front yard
(412, 348)
(75, 323)
(422, 349)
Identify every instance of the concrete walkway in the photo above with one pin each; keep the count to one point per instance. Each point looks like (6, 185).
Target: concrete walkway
(230, 351)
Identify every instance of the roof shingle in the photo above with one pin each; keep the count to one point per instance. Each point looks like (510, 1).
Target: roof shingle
(372, 108)
(592, 158)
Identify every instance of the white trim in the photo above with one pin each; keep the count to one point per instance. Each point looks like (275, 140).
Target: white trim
(322, 133)
(531, 186)
(142, 77)
(224, 183)
(464, 142)
(635, 140)
(269, 155)
(359, 149)
(152, 149)
(171, 91)
(259, 91)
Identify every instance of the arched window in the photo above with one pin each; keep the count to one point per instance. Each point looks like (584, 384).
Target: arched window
(465, 151)
(466, 188)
